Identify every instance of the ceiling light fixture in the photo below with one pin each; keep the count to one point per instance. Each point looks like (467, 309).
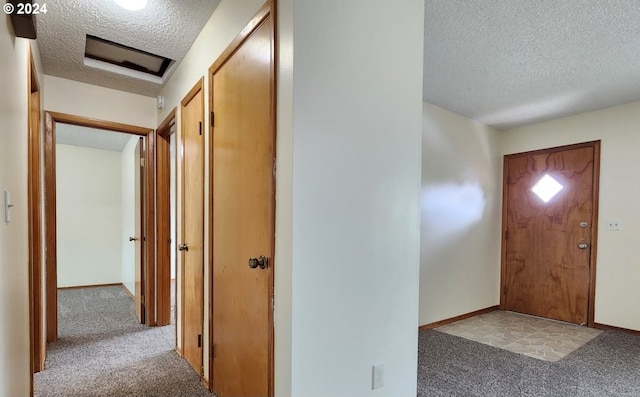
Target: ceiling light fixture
(132, 5)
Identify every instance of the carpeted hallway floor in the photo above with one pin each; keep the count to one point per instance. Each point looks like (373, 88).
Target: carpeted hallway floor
(104, 352)
(607, 366)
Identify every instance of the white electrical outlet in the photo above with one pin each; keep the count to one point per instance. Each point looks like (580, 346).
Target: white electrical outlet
(614, 224)
(377, 376)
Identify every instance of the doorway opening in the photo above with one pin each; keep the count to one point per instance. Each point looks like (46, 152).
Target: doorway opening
(144, 242)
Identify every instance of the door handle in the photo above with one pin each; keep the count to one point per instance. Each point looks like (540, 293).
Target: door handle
(583, 246)
(262, 262)
(133, 239)
(183, 247)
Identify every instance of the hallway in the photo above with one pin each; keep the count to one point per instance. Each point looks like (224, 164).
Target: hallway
(104, 352)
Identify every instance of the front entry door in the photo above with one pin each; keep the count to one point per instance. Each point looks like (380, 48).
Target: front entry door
(192, 246)
(550, 226)
(243, 217)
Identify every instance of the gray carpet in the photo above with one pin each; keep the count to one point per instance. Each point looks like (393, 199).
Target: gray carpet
(608, 366)
(104, 352)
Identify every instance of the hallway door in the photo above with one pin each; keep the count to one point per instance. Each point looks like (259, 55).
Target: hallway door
(550, 200)
(138, 238)
(192, 246)
(243, 193)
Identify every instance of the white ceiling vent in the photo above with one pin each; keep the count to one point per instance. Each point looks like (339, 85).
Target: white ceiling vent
(126, 59)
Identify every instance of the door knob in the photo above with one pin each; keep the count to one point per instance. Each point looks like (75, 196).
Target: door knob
(261, 262)
(183, 247)
(133, 239)
(583, 246)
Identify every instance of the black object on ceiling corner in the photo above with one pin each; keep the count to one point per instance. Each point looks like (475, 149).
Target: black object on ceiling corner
(24, 25)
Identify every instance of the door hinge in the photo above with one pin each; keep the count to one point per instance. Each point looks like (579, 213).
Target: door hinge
(504, 290)
(211, 350)
(506, 235)
(200, 127)
(212, 118)
(200, 340)
(142, 299)
(142, 162)
(275, 167)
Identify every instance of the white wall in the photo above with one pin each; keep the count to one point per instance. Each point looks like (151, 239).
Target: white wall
(14, 282)
(618, 274)
(357, 106)
(81, 99)
(89, 215)
(229, 18)
(461, 209)
(283, 261)
(128, 225)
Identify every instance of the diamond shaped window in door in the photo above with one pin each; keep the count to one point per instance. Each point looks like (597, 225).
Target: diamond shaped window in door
(546, 188)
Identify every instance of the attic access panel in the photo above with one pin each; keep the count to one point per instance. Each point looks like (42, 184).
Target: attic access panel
(125, 56)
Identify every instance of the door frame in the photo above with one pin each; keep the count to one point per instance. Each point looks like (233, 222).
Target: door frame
(51, 218)
(269, 9)
(36, 236)
(163, 197)
(594, 219)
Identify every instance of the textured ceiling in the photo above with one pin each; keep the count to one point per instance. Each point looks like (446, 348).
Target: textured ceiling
(67, 134)
(513, 62)
(164, 27)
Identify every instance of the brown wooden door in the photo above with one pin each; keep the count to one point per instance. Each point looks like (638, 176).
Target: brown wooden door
(548, 245)
(243, 218)
(192, 246)
(138, 238)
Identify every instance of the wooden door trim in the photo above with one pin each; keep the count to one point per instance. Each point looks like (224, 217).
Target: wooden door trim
(37, 344)
(149, 225)
(268, 9)
(594, 235)
(163, 197)
(554, 149)
(50, 209)
(100, 124)
(50, 228)
(594, 219)
(199, 86)
(253, 24)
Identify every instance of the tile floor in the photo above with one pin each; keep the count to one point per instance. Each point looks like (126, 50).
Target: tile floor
(535, 337)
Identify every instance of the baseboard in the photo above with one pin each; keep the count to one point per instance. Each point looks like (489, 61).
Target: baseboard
(458, 318)
(179, 351)
(124, 287)
(90, 286)
(205, 382)
(614, 328)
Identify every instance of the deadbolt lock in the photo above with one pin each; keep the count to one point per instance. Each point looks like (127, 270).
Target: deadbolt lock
(183, 247)
(583, 246)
